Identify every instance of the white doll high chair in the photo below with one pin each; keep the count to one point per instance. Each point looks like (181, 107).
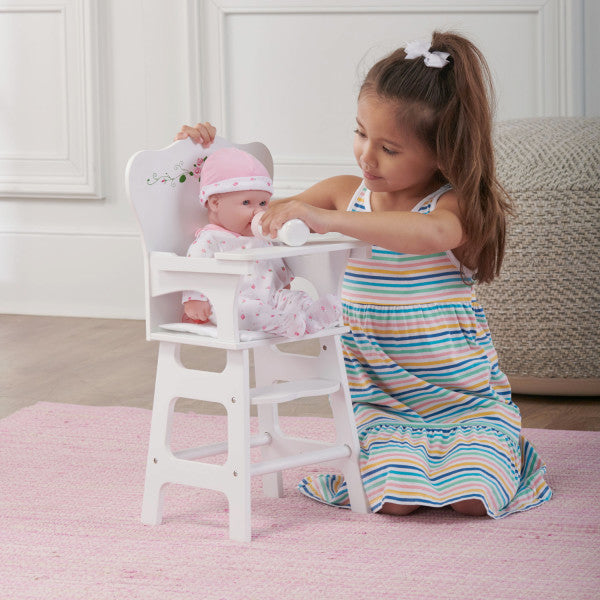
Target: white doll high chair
(163, 188)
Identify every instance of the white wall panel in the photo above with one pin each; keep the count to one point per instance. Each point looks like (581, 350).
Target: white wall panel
(48, 115)
(40, 53)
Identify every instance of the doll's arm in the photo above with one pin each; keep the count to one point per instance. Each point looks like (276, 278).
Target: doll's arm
(196, 306)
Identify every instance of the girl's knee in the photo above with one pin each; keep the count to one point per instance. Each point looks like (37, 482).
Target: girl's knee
(399, 510)
(473, 508)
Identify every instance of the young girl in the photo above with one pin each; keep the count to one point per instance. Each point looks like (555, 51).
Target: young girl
(436, 423)
(234, 187)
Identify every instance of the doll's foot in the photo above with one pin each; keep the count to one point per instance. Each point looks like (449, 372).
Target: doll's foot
(293, 326)
(324, 313)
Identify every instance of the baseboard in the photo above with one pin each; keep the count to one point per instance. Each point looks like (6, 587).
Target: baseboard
(554, 386)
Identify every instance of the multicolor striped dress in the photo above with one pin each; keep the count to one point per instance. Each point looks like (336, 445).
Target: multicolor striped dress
(435, 419)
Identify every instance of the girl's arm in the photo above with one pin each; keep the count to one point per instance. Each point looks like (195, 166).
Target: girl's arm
(399, 231)
(407, 232)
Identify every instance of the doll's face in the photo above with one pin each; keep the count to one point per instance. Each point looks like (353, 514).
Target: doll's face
(235, 210)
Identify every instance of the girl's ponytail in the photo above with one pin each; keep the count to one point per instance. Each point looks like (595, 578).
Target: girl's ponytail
(466, 155)
(450, 109)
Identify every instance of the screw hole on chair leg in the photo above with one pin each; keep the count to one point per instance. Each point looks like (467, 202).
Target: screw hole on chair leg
(324, 347)
(155, 461)
(235, 473)
(233, 400)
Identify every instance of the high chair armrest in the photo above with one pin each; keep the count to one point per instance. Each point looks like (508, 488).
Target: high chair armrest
(168, 261)
(170, 273)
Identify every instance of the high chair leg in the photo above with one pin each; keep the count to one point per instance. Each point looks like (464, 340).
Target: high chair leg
(160, 433)
(345, 426)
(240, 504)
(152, 505)
(272, 483)
(346, 432)
(238, 437)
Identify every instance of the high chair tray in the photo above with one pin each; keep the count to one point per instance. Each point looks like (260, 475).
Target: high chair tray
(321, 243)
(170, 261)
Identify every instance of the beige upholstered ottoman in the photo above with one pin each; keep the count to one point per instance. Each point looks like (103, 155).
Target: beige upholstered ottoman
(544, 310)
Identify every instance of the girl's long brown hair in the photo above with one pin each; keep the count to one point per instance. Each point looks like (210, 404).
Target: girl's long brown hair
(450, 110)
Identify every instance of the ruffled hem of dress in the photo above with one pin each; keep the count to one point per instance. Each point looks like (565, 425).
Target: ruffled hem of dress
(531, 491)
(332, 490)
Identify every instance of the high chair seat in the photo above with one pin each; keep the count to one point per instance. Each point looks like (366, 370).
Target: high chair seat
(163, 188)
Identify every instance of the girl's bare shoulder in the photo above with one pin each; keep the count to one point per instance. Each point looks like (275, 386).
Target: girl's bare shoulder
(340, 189)
(449, 201)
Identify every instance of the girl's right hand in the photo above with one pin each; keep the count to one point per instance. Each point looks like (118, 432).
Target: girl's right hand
(201, 133)
(281, 211)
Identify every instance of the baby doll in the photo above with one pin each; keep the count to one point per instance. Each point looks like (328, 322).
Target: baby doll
(234, 187)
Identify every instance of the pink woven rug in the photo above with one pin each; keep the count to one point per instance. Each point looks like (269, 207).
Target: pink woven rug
(71, 480)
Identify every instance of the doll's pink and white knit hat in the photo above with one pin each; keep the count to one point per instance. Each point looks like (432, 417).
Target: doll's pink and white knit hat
(232, 170)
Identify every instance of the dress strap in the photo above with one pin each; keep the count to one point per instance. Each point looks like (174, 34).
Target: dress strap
(361, 200)
(429, 203)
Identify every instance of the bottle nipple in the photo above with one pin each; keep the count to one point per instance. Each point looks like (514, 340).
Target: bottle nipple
(256, 228)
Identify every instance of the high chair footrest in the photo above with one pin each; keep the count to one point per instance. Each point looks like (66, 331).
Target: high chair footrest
(220, 448)
(291, 390)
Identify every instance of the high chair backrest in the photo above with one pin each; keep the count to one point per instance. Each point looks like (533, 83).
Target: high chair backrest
(163, 186)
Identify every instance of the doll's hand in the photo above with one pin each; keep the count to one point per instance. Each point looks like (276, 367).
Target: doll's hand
(197, 311)
(201, 133)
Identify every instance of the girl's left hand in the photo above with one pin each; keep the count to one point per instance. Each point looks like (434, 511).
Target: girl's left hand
(282, 211)
(201, 133)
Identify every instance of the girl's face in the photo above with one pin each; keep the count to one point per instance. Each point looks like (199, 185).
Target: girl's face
(235, 210)
(391, 159)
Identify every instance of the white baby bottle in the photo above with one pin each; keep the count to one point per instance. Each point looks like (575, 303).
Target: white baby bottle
(293, 233)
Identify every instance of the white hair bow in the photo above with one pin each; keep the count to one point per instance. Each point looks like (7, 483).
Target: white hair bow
(421, 48)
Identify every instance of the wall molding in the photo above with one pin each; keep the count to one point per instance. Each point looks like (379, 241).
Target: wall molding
(74, 170)
(65, 233)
